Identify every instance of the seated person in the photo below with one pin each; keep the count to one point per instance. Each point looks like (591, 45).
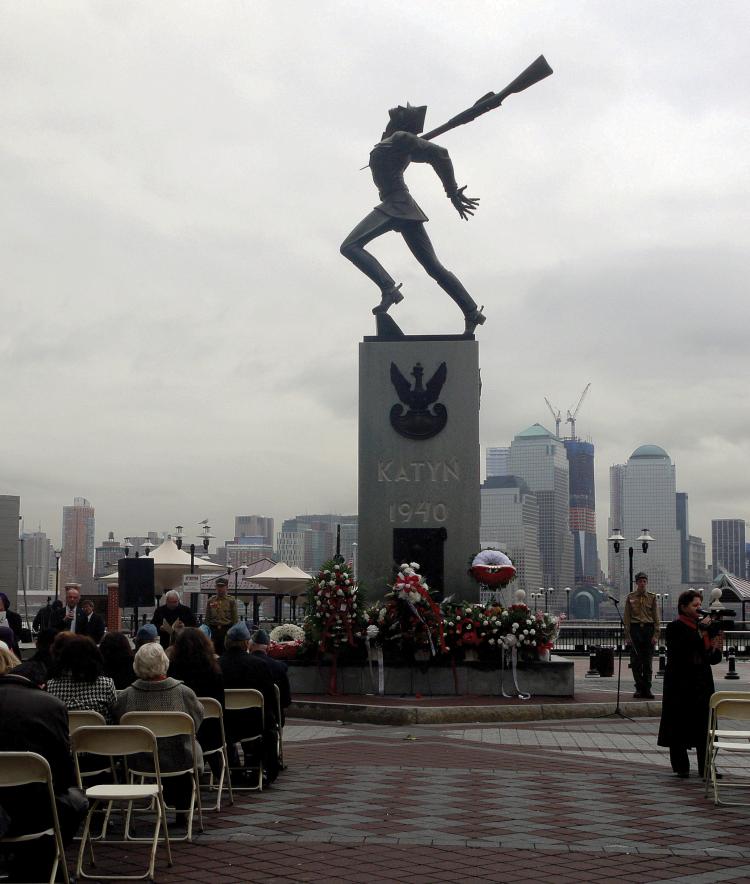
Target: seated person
(117, 654)
(278, 669)
(242, 670)
(33, 721)
(76, 675)
(154, 691)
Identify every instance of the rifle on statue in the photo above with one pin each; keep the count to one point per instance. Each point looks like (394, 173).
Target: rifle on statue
(535, 72)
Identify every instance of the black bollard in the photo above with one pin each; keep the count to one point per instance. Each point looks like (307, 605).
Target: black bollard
(732, 671)
(662, 661)
(593, 671)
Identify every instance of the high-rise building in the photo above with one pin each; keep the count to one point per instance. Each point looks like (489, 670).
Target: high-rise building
(38, 559)
(108, 554)
(78, 545)
(683, 529)
(497, 461)
(643, 495)
(697, 571)
(728, 547)
(253, 526)
(318, 543)
(583, 511)
(539, 458)
(246, 550)
(510, 522)
(10, 507)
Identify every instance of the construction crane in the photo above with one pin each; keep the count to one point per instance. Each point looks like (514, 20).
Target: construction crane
(556, 415)
(571, 418)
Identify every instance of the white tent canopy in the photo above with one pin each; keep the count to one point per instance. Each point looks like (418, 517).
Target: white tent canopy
(283, 580)
(170, 565)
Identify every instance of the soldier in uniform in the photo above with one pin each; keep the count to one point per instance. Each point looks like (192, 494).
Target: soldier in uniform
(641, 618)
(401, 145)
(221, 614)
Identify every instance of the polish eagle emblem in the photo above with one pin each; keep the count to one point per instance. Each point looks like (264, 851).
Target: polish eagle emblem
(418, 415)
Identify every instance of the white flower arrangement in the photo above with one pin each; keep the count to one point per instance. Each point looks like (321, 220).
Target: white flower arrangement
(287, 632)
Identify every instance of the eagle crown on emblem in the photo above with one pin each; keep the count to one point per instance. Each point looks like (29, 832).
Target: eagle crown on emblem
(424, 416)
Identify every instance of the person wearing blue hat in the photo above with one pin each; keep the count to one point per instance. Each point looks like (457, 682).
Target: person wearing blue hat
(147, 633)
(243, 670)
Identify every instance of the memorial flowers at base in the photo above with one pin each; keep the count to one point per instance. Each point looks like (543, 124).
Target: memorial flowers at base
(409, 620)
(335, 616)
(286, 641)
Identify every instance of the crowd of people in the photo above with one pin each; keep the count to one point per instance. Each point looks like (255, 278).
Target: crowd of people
(169, 666)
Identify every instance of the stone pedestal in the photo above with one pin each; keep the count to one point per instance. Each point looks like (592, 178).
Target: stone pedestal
(419, 460)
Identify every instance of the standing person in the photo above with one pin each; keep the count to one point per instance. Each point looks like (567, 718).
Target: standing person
(171, 617)
(688, 684)
(641, 619)
(399, 146)
(43, 618)
(9, 618)
(221, 613)
(95, 625)
(278, 669)
(70, 617)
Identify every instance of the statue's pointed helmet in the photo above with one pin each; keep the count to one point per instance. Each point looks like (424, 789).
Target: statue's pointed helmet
(409, 118)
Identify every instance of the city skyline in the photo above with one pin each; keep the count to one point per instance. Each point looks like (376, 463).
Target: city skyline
(180, 331)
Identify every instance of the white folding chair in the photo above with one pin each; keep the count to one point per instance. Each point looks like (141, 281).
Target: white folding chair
(212, 711)
(125, 741)
(244, 699)
(712, 721)
(171, 724)
(27, 768)
(734, 742)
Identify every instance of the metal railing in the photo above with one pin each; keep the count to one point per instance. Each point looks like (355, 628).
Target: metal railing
(579, 639)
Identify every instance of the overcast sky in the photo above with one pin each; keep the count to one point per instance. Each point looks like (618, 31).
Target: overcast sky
(179, 331)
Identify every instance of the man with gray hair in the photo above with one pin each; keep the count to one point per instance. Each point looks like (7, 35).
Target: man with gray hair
(171, 617)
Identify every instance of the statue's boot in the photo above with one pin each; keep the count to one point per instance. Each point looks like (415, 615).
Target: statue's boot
(390, 297)
(473, 319)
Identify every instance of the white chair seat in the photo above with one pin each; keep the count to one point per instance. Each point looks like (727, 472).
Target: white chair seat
(115, 792)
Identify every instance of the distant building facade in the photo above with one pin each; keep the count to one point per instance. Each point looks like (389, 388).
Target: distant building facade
(78, 545)
(313, 539)
(697, 570)
(254, 526)
(643, 495)
(583, 511)
(728, 547)
(107, 555)
(497, 461)
(10, 508)
(510, 522)
(539, 458)
(681, 502)
(38, 559)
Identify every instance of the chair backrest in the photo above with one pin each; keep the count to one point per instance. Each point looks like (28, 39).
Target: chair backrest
(23, 768)
(718, 696)
(278, 702)
(114, 740)
(84, 718)
(211, 707)
(243, 698)
(162, 724)
(733, 708)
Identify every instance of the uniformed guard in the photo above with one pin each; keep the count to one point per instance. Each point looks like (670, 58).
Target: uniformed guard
(221, 614)
(641, 618)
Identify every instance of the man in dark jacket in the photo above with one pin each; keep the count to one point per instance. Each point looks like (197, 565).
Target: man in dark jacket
(32, 720)
(95, 626)
(278, 668)
(242, 670)
(70, 616)
(171, 617)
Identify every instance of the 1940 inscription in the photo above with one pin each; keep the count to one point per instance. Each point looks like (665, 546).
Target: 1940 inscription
(419, 471)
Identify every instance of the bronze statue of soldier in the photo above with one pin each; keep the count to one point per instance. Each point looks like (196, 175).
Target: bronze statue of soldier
(399, 146)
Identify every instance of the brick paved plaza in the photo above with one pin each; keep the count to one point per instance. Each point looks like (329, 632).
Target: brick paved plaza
(579, 800)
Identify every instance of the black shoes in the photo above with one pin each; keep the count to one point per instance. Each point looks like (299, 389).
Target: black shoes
(472, 320)
(389, 297)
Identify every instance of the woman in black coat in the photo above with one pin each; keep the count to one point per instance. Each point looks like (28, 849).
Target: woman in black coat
(688, 684)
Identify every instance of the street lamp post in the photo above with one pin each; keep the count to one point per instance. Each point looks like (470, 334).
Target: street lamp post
(617, 539)
(58, 553)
